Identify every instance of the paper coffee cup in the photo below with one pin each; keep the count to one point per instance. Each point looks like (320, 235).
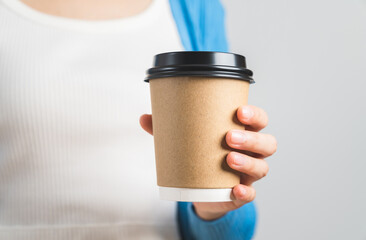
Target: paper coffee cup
(194, 99)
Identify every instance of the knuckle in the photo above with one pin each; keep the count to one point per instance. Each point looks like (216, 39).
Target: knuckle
(253, 139)
(264, 119)
(265, 169)
(249, 165)
(272, 142)
(274, 145)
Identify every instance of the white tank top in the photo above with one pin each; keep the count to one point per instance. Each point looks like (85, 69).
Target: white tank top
(74, 161)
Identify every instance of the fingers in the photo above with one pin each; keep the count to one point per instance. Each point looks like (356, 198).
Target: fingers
(256, 168)
(146, 123)
(261, 143)
(255, 118)
(243, 194)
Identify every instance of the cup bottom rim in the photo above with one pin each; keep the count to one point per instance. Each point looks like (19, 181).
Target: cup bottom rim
(196, 194)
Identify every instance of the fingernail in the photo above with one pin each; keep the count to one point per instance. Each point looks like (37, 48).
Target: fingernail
(237, 137)
(238, 159)
(247, 113)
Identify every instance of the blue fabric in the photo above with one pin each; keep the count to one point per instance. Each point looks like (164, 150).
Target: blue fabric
(201, 27)
(200, 24)
(238, 224)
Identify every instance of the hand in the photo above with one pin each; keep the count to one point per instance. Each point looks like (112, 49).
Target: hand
(251, 165)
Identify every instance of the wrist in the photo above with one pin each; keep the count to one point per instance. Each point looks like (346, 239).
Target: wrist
(208, 216)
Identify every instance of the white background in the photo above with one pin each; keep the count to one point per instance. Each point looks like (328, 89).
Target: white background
(309, 63)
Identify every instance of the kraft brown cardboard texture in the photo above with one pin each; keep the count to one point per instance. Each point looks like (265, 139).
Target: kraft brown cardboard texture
(191, 116)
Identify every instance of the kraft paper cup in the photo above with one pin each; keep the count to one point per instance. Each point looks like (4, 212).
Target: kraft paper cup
(194, 99)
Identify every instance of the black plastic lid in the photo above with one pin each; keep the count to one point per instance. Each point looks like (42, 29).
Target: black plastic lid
(200, 63)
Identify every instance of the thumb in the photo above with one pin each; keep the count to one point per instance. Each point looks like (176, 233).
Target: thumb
(146, 123)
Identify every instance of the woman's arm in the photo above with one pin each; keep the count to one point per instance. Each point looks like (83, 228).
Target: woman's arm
(238, 224)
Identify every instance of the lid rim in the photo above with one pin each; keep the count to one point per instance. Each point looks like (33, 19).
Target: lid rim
(242, 77)
(198, 67)
(199, 63)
